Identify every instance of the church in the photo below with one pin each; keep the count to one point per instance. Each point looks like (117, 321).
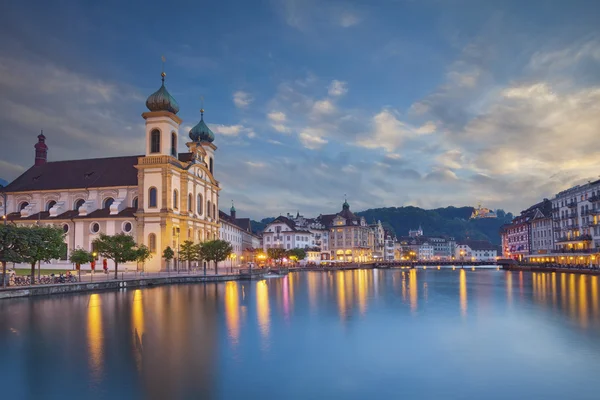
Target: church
(161, 198)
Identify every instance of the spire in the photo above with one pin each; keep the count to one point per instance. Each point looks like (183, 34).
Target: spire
(161, 100)
(345, 206)
(201, 132)
(232, 210)
(41, 150)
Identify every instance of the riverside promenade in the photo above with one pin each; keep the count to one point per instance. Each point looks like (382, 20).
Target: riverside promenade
(101, 281)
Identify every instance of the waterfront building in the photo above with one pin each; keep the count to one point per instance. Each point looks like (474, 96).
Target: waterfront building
(161, 197)
(576, 214)
(238, 232)
(476, 250)
(425, 251)
(379, 240)
(518, 238)
(283, 233)
(542, 237)
(389, 246)
(482, 212)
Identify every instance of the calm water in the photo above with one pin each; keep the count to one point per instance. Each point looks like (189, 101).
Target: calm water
(348, 335)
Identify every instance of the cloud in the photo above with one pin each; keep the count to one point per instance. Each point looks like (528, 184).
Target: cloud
(337, 88)
(232, 130)
(348, 19)
(276, 116)
(441, 175)
(275, 142)
(242, 99)
(256, 164)
(324, 107)
(312, 138)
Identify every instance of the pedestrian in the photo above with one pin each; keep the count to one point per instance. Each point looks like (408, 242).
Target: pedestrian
(105, 266)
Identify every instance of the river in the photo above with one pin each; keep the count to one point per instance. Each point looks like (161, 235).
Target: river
(426, 334)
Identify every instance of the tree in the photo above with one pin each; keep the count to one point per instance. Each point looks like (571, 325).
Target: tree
(12, 242)
(80, 256)
(188, 251)
(296, 254)
(120, 248)
(215, 250)
(42, 243)
(276, 253)
(143, 254)
(168, 255)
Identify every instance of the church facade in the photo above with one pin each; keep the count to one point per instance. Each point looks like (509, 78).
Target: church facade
(161, 197)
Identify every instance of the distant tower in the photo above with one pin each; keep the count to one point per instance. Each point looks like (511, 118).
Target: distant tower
(232, 210)
(41, 150)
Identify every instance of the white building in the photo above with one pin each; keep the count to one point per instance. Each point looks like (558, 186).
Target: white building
(476, 250)
(238, 232)
(389, 247)
(160, 197)
(425, 251)
(282, 233)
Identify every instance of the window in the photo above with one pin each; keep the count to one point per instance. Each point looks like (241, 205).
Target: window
(208, 207)
(210, 165)
(175, 199)
(95, 227)
(65, 228)
(152, 243)
(190, 202)
(127, 227)
(214, 211)
(152, 197)
(78, 203)
(108, 202)
(23, 205)
(50, 204)
(199, 205)
(174, 144)
(134, 203)
(155, 141)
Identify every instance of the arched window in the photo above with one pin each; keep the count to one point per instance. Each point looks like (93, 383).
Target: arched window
(190, 199)
(78, 203)
(175, 199)
(50, 204)
(134, 203)
(23, 205)
(208, 208)
(199, 205)
(152, 243)
(155, 141)
(214, 211)
(152, 197)
(108, 202)
(210, 165)
(174, 144)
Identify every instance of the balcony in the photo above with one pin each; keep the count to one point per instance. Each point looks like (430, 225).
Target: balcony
(582, 238)
(594, 199)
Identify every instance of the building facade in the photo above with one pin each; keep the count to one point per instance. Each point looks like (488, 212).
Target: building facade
(161, 197)
(476, 250)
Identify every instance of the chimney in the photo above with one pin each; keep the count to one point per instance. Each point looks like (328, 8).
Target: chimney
(41, 150)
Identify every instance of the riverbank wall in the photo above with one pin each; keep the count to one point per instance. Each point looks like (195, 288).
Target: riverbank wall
(65, 288)
(538, 268)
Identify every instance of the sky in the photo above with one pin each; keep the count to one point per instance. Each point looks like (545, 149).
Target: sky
(428, 103)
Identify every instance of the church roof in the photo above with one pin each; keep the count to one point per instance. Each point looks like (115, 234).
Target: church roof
(161, 100)
(242, 223)
(201, 132)
(78, 174)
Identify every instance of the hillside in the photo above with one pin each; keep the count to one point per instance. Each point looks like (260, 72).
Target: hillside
(451, 221)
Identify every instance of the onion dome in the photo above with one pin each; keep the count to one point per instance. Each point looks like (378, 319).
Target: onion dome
(345, 206)
(161, 100)
(201, 132)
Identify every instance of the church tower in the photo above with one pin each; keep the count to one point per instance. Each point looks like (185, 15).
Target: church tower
(41, 150)
(162, 122)
(202, 134)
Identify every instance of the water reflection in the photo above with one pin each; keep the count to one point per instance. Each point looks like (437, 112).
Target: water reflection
(95, 336)
(262, 308)
(462, 292)
(232, 310)
(413, 289)
(137, 321)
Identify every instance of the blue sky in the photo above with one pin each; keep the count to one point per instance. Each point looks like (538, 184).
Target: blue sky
(428, 103)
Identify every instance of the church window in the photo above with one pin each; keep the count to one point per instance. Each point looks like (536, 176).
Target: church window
(95, 227)
(155, 141)
(134, 203)
(66, 228)
(190, 208)
(108, 202)
(50, 204)
(175, 199)
(23, 205)
(208, 209)
(174, 144)
(152, 197)
(127, 227)
(214, 211)
(199, 205)
(78, 203)
(152, 243)
(210, 165)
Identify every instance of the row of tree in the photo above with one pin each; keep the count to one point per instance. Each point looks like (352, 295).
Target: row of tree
(213, 250)
(278, 254)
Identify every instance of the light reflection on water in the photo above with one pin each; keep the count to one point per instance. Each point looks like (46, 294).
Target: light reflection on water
(353, 334)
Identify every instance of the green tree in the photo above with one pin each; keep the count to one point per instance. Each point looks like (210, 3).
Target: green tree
(80, 256)
(168, 255)
(42, 243)
(120, 248)
(188, 251)
(296, 254)
(12, 242)
(276, 253)
(143, 255)
(215, 250)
